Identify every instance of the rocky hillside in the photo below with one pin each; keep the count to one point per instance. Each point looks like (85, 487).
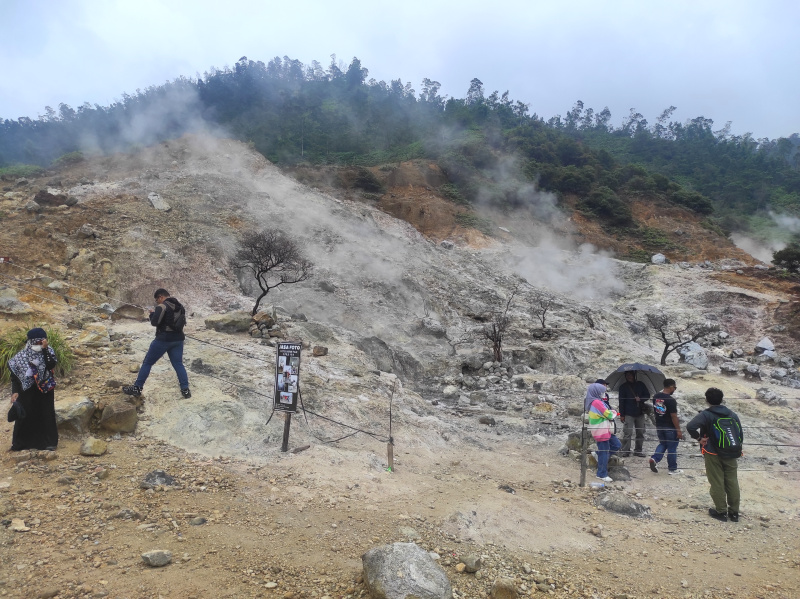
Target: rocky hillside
(400, 305)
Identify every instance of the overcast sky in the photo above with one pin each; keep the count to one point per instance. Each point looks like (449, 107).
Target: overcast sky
(728, 60)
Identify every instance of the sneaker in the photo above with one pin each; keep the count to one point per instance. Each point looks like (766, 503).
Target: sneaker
(733, 516)
(676, 471)
(653, 465)
(186, 393)
(132, 390)
(717, 515)
(606, 479)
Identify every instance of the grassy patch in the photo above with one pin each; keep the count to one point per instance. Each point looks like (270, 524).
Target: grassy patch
(473, 221)
(20, 170)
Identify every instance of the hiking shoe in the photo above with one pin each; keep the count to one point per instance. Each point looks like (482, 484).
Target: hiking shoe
(733, 516)
(717, 515)
(606, 479)
(186, 393)
(653, 465)
(132, 390)
(676, 471)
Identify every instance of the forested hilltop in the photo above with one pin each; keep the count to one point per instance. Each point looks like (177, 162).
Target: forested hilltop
(491, 148)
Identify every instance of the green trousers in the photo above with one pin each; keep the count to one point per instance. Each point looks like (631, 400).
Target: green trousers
(722, 476)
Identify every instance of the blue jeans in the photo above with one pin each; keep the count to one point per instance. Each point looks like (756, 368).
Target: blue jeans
(667, 441)
(605, 449)
(174, 349)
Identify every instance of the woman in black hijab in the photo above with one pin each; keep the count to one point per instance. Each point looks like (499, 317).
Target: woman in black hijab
(32, 394)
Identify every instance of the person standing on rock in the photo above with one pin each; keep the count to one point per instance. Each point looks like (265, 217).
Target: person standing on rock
(601, 417)
(667, 427)
(33, 394)
(720, 434)
(169, 318)
(632, 395)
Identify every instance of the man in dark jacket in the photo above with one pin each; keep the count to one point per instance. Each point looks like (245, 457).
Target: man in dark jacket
(169, 340)
(632, 394)
(720, 434)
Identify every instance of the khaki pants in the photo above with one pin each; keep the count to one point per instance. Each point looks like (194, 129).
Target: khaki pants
(722, 476)
(633, 423)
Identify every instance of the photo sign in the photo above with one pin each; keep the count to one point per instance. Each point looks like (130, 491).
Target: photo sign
(287, 376)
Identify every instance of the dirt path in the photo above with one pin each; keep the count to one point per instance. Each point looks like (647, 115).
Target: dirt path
(303, 521)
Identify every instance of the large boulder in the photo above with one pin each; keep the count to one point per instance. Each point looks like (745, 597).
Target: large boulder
(404, 571)
(432, 327)
(231, 322)
(658, 259)
(692, 353)
(10, 304)
(93, 335)
(622, 504)
(389, 359)
(128, 311)
(119, 417)
(73, 415)
(50, 197)
(765, 344)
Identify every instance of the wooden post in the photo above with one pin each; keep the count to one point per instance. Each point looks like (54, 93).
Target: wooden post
(390, 450)
(584, 449)
(286, 424)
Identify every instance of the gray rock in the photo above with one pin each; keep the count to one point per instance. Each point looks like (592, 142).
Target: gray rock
(128, 311)
(618, 472)
(786, 362)
(472, 563)
(770, 397)
(157, 558)
(231, 322)
(93, 447)
(390, 359)
(729, 368)
(119, 417)
(737, 353)
(197, 521)
(778, 373)
(765, 345)
(448, 245)
(658, 259)
(10, 304)
(93, 335)
(753, 371)
(404, 571)
(504, 588)
(622, 504)
(32, 206)
(692, 353)
(432, 327)
(157, 202)
(157, 478)
(73, 415)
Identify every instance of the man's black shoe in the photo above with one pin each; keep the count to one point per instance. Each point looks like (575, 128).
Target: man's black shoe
(717, 515)
(186, 393)
(132, 390)
(639, 454)
(733, 516)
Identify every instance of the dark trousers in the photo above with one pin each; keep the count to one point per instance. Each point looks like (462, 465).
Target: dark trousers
(631, 424)
(667, 442)
(723, 477)
(173, 349)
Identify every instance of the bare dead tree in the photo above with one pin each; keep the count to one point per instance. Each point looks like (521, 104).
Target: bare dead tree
(587, 314)
(273, 258)
(541, 302)
(676, 332)
(494, 330)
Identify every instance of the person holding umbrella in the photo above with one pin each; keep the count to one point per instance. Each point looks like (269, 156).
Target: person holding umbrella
(632, 397)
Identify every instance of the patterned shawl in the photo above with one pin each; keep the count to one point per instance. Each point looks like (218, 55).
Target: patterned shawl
(27, 362)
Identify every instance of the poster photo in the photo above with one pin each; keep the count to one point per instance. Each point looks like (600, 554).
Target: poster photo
(287, 376)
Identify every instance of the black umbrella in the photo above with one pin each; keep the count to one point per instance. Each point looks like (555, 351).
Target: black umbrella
(651, 376)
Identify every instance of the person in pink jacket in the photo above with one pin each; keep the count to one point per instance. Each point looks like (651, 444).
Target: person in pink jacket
(601, 425)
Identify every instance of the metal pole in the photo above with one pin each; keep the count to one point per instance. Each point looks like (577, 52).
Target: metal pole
(584, 448)
(286, 424)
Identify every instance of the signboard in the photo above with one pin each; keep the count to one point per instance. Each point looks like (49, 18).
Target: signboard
(287, 376)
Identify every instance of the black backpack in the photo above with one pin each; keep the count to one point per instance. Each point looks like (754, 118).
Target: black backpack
(726, 433)
(175, 316)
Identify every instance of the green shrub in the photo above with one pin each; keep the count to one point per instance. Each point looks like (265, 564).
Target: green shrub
(367, 181)
(473, 221)
(14, 340)
(692, 200)
(788, 257)
(451, 192)
(605, 204)
(15, 171)
(69, 158)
